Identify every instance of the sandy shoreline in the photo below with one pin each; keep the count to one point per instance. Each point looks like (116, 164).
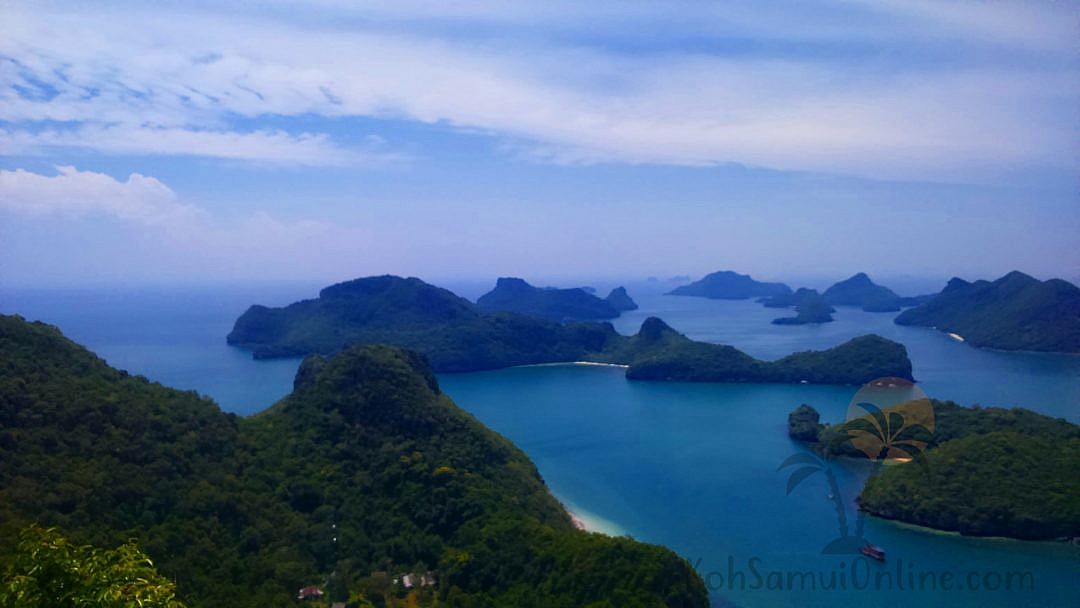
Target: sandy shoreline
(583, 520)
(566, 363)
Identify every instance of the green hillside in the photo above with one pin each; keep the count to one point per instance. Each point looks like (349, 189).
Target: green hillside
(364, 473)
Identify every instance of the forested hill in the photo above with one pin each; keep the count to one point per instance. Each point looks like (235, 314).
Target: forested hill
(859, 290)
(1015, 312)
(365, 472)
(980, 471)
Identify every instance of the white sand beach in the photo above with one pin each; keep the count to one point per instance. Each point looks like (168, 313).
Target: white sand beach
(590, 522)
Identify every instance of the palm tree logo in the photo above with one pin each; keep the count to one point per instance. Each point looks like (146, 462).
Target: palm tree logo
(889, 421)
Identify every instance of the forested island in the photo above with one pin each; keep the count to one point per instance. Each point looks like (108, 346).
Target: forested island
(365, 474)
(859, 290)
(457, 336)
(1015, 312)
(983, 472)
(658, 352)
(515, 295)
(729, 285)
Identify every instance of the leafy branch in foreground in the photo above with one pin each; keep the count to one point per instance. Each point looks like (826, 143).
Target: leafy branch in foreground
(48, 571)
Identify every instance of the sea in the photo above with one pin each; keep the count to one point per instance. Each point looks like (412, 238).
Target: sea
(694, 467)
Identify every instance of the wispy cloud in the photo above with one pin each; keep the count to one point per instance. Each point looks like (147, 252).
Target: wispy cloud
(266, 147)
(172, 83)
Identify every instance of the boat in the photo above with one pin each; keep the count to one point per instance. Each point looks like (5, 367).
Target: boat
(873, 551)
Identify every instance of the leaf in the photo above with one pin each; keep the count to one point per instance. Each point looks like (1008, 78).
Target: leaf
(800, 458)
(798, 476)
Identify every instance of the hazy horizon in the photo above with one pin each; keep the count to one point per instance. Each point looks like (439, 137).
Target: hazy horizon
(188, 143)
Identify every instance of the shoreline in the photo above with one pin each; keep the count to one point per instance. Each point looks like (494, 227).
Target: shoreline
(1023, 351)
(575, 363)
(589, 522)
(900, 523)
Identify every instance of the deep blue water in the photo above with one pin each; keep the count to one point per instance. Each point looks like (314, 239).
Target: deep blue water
(691, 466)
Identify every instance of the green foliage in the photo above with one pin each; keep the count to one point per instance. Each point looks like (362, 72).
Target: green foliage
(365, 469)
(984, 472)
(48, 571)
(457, 337)
(1002, 483)
(1015, 312)
(953, 421)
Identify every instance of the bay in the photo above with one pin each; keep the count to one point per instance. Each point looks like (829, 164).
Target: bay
(690, 466)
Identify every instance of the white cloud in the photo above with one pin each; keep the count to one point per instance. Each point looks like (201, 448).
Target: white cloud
(169, 83)
(146, 203)
(74, 193)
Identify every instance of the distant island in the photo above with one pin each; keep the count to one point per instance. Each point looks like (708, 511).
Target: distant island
(729, 285)
(810, 307)
(365, 476)
(984, 472)
(453, 333)
(859, 290)
(1015, 312)
(457, 336)
(658, 352)
(516, 295)
(620, 300)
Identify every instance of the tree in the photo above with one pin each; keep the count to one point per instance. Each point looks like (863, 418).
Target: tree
(48, 571)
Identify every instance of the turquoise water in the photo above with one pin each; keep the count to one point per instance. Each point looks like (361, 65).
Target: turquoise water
(694, 467)
(690, 466)
(171, 335)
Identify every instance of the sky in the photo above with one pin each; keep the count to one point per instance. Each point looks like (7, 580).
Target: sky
(170, 142)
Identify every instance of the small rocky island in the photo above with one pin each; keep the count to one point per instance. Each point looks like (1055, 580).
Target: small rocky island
(810, 307)
(620, 300)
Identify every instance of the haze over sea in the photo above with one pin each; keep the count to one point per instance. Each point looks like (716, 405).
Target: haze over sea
(690, 466)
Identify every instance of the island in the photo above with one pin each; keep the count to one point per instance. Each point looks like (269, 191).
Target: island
(620, 300)
(810, 307)
(457, 336)
(1015, 312)
(859, 290)
(729, 285)
(804, 424)
(658, 352)
(983, 472)
(1003, 483)
(516, 295)
(364, 475)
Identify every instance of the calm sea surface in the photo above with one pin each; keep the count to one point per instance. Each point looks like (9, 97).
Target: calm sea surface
(690, 466)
